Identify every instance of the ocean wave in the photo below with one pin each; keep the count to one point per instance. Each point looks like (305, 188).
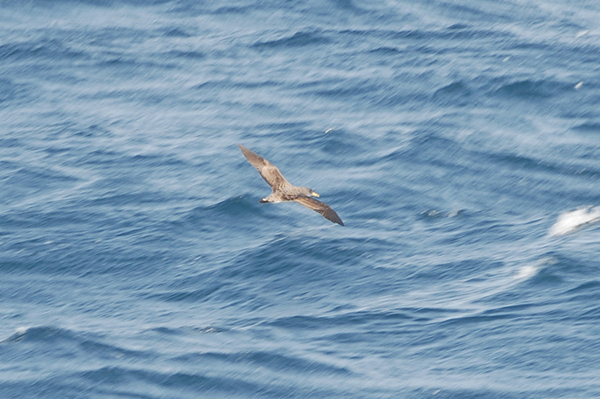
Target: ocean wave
(71, 343)
(588, 127)
(11, 92)
(457, 93)
(532, 88)
(44, 48)
(298, 39)
(355, 318)
(232, 206)
(276, 361)
(571, 221)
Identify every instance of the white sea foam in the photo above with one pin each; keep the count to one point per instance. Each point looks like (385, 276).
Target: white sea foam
(21, 330)
(571, 221)
(16, 336)
(526, 272)
(531, 270)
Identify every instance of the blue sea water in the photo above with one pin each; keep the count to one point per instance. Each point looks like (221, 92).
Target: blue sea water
(458, 140)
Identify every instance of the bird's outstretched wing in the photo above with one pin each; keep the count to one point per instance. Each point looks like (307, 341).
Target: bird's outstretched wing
(321, 207)
(267, 170)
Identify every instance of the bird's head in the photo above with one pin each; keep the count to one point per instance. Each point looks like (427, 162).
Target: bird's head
(309, 192)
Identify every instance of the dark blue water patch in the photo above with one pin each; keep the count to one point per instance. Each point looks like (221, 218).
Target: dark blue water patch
(311, 257)
(284, 271)
(29, 181)
(245, 212)
(468, 33)
(119, 199)
(9, 168)
(234, 208)
(476, 393)
(530, 89)
(93, 244)
(482, 11)
(283, 127)
(93, 130)
(99, 349)
(287, 268)
(137, 379)
(465, 270)
(233, 10)
(430, 41)
(403, 320)
(361, 93)
(298, 39)
(187, 331)
(113, 159)
(10, 142)
(387, 33)
(591, 313)
(116, 41)
(45, 334)
(345, 5)
(196, 295)
(491, 321)
(126, 376)
(588, 127)
(343, 90)
(24, 290)
(123, 66)
(43, 48)
(427, 147)
(69, 344)
(177, 32)
(532, 165)
(511, 310)
(190, 54)
(47, 387)
(386, 50)
(295, 323)
(568, 267)
(12, 93)
(188, 9)
(386, 99)
(583, 295)
(212, 85)
(589, 287)
(340, 143)
(546, 277)
(456, 94)
(93, 3)
(275, 361)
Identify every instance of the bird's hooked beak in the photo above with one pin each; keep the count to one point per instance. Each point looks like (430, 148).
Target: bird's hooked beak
(314, 194)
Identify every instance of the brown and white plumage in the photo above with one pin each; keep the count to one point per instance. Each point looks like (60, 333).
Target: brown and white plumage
(284, 191)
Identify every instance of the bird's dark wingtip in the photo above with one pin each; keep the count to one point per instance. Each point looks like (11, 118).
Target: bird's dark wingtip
(335, 218)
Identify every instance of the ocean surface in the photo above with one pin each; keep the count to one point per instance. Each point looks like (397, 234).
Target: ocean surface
(459, 141)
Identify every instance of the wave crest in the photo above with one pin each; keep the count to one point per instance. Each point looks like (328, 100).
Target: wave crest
(570, 221)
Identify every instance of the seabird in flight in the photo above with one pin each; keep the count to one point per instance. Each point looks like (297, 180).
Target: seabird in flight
(284, 191)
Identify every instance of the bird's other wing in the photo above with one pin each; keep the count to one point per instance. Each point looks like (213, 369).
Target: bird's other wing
(267, 170)
(321, 207)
